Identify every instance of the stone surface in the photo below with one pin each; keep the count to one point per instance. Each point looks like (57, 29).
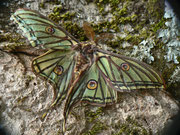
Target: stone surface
(25, 98)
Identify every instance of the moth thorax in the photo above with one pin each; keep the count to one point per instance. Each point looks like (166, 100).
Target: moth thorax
(87, 47)
(87, 43)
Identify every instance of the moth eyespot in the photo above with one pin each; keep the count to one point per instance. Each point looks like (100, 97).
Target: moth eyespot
(58, 70)
(92, 84)
(125, 66)
(50, 29)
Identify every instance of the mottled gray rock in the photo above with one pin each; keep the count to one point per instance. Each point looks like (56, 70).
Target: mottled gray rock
(25, 98)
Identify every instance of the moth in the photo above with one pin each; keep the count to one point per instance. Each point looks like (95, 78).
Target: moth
(82, 71)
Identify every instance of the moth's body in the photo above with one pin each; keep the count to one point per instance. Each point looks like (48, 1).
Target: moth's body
(84, 57)
(80, 71)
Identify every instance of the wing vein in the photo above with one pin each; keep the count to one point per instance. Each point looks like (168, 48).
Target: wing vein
(101, 89)
(112, 71)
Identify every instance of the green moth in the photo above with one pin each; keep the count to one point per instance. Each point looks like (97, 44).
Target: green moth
(82, 71)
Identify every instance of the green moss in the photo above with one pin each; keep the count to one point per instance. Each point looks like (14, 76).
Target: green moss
(167, 73)
(153, 7)
(114, 44)
(95, 125)
(159, 44)
(44, 115)
(178, 59)
(120, 16)
(57, 15)
(114, 2)
(98, 127)
(91, 116)
(75, 30)
(42, 5)
(53, 2)
(98, 28)
(9, 37)
(14, 41)
(89, 1)
(133, 39)
(61, 14)
(68, 16)
(130, 127)
(173, 88)
(28, 78)
(58, 9)
(121, 12)
(21, 100)
(159, 25)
